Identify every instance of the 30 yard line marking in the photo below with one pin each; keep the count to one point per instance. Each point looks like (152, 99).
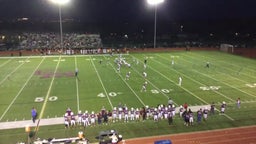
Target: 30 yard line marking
(195, 80)
(21, 90)
(101, 83)
(47, 95)
(187, 91)
(224, 83)
(154, 85)
(77, 90)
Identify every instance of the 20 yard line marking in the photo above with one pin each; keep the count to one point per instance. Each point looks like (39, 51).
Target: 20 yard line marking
(21, 90)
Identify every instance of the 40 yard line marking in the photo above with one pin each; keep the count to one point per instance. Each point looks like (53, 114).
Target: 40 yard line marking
(47, 96)
(101, 83)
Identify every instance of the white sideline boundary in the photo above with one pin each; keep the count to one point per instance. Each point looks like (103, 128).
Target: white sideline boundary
(60, 120)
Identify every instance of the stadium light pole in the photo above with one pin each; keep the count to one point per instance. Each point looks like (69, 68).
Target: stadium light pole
(60, 3)
(155, 3)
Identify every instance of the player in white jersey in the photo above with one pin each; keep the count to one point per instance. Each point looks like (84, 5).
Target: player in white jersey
(79, 117)
(144, 87)
(73, 120)
(93, 119)
(132, 114)
(114, 113)
(137, 114)
(86, 119)
(126, 115)
(66, 121)
(180, 81)
(144, 74)
(127, 77)
(120, 113)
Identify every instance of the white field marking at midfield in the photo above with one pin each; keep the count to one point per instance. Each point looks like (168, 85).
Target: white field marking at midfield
(77, 90)
(21, 90)
(47, 95)
(187, 90)
(127, 85)
(223, 82)
(102, 84)
(154, 85)
(5, 62)
(195, 80)
(9, 74)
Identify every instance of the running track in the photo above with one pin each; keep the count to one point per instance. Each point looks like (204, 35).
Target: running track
(242, 135)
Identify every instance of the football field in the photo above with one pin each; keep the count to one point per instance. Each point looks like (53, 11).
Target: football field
(48, 83)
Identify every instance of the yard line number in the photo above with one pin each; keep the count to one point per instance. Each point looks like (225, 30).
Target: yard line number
(209, 88)
(111, 94)
(154, 91)
(41, 99)
(251, 85)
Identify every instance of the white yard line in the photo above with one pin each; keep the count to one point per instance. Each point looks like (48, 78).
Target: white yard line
(21, 90)
(9, 74)
(154, 85)
(128, 86)
(101, 83)
(77, 89)
(47, 95)
(187, 90)
(5, 62)
(224, 83)
(197, 81)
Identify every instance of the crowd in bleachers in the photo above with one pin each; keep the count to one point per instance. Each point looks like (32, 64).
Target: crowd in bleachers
(52, 40)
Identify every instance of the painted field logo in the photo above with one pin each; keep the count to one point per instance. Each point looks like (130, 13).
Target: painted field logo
(209, 88)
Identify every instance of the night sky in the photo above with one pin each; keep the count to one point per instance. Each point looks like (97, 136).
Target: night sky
(129, 10)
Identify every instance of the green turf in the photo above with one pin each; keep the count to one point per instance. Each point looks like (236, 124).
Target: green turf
(24, 80)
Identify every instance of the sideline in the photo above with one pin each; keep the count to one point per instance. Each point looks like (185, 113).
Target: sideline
(60, 120)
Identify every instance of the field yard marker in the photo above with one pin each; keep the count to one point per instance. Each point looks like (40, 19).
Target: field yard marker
(20, 90)
(102, 83)
(129, 86)
(47, 96)
(187, 90)
(77, 90)
(224, 82)
(198, 81)
(154, 86)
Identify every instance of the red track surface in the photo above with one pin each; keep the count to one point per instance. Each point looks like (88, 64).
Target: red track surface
(242, 135)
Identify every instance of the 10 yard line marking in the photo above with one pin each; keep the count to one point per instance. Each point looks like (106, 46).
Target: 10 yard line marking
(77, 90)
(21, 90)
(47, 95)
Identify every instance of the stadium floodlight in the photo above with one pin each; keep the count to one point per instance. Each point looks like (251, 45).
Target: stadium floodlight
(60, 3)
(155, 3)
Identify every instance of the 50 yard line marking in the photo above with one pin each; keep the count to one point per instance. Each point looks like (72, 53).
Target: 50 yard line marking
(47, 95)
(77, 90)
